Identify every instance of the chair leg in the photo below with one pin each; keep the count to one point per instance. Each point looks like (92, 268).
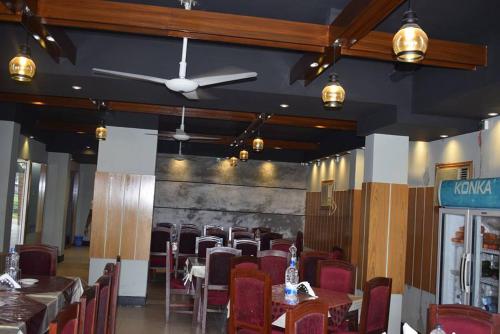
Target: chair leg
(167, 304)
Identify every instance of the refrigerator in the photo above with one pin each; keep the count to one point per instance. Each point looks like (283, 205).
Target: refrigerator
(468, 266)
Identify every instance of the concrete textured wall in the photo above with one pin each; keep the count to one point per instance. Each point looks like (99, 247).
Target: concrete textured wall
(203, 190)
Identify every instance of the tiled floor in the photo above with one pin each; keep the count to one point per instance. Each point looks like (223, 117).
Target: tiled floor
(141, 320)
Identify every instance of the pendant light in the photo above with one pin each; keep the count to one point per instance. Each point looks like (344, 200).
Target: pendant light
(101, 133)
(243, 155)
(22, 68)
(258, 143)
(333, 94)
(410, 42)
(233, 161)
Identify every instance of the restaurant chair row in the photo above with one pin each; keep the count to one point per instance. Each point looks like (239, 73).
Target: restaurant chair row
(96, 311)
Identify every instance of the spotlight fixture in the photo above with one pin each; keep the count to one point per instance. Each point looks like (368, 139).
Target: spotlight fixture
(75, 87)
(337, 158)
(284, 105)
(32, 137)
(410, 42)
(37, 37)
(50, 38)
(314, 64)
(320, 127)
(80, 132)
(101, 133)
(243, 155)
(22, 68)
(258, 144)
(326, 65)
(318, 162)
(333, 94)
(233, 161)
(443, 136)
(493, 114)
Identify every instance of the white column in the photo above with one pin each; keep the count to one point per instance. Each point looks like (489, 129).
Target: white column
(9, 142)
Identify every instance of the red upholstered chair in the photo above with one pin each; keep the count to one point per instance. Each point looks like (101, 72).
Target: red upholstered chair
(336, 275)
(104, 284)
(233, 229)
(88, 310)
(274, 262)
(217, 232)
(66, 321)
(299, 242)
(261, 229)
(203, 243)
(215, 289)
(250, 306)
(462, 319)
(245, 262)
(242, 235)
(168, 225)
(308, 265)
(265, 239)
(310, 317)
(159, 236)
(248, 247)
(337, 253)
(375, 306)
(113, 270)
(281, 244)
(37, 259)
(186, 245)
(211, 227)
(174, 286)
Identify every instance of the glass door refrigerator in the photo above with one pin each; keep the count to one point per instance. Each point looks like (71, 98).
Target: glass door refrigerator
(468, 271)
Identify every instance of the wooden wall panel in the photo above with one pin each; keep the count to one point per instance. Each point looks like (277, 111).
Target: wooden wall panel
(356, 226)
(122, 216)
(417, 261)
(364, 235)
(434, 253)
(410, 236)
(427, 238)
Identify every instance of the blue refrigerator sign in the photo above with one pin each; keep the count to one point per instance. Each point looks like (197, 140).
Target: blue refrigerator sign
(474, 193)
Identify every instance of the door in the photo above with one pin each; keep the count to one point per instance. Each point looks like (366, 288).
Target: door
(454, 233)
(485, 264)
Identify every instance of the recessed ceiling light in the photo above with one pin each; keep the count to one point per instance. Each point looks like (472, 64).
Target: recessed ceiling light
(278, 148)
(314, 64)
(35, 36)
(284, 105)
(326, 65)
(443, 136)
(320, 127)
(87, 147)
(492, 114)
(75, 87)
(50, 38)
(38, 103)
(31, 137)
(363, 148)
(80, 132)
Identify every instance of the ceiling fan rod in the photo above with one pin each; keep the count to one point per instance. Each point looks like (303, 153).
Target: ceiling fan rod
(182, 119)
(183, 64)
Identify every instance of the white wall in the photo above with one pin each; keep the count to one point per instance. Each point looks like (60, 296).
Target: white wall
(86, 179)
(386, 159)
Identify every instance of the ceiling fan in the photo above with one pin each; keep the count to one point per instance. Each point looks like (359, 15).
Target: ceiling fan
(183, 85)
(181, 136)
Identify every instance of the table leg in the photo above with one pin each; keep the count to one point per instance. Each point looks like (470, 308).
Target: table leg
(197, 301)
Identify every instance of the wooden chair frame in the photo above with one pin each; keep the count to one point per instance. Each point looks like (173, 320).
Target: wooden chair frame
(67, 314)
(435, 311)
(339, 264)
(211, 226)
(236, 235)
(276, 253)
(304, 257)
(369, 285)
(233, 229)
(113, 270)
(270, 236)
(179, 254)
(102, 282)
(237, 242)
(234, 324)
(47, 249)
(262, 229)
(275, 242)
(89, 295)
(303, 309)
(207, 286)
(217, 240)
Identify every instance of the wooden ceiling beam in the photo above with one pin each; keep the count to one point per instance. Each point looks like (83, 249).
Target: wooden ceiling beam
(155, 109)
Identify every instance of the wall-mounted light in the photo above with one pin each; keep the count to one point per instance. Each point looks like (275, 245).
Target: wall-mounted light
(258, 144)
(243, 155)
(22, 68)
(410, 42)
(101, 133)
(233, 161)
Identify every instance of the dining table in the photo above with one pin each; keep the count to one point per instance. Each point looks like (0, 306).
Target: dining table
(30, 309)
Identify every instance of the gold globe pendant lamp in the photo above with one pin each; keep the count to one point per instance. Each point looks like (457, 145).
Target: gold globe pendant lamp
(233, 161)
(333, 94)
(258, 144)
(410, 42)
(101, 133)
(244, 155)
(22, 68)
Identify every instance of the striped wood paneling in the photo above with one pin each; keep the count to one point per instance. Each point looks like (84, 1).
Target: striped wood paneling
(122, 216)
(423, 221)
(383, 233)
(323, 231)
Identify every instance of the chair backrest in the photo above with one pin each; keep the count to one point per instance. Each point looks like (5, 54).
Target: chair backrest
(274, 262)
(250, 296)
(299, 242)
(376, 306)
(88, 310)
(168, 225)
(211, 227)
(245, 262)
(336, 275)
(104, 283)
(113, 271)
(159, 236)
(218, 265)
(265, 239)
(215, 232)
(308, 265)
(66, 321)
(248, 247)
(281, 244)
(187, 225)
(309, 317)
(233, 229)
(187, 240)
(337, 253)
(261, 229)
(462, 319)
(203, 243)
(37, 259)
(242, 235)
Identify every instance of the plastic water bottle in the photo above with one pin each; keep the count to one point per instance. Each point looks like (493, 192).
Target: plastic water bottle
(13, 264)
(438, 330)
(292, 278)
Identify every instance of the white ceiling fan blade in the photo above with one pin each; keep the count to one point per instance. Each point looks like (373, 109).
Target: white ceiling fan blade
(196, 137)
(130, 75)
(218, 79)
(191, 95)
